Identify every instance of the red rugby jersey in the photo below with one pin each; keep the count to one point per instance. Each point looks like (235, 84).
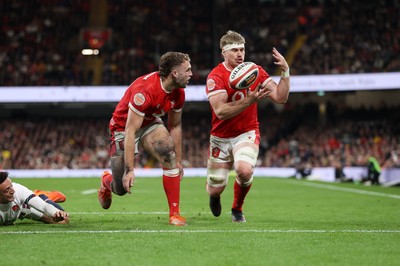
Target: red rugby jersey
(218, 81)
(146, 97)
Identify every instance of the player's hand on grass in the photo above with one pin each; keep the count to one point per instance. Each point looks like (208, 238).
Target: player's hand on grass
(127, 181)
(61, 217)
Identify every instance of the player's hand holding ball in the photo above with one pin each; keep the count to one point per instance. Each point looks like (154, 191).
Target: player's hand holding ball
(243, 75)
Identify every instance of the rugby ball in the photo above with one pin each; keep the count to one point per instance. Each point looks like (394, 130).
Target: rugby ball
(243, 75)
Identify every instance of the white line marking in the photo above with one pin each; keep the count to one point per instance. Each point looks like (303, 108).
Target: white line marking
(352, 190)
(134, 231)
(138, 213)
(118, 213)
(89, 191)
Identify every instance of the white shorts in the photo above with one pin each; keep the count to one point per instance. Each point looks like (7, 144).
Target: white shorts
(118, 137)
(221, 149)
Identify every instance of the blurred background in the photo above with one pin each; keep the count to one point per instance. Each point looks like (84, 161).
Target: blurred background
(90, 43)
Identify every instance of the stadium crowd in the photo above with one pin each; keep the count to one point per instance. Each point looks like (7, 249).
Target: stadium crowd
(350, 37)
(38, 48)
(347, 138)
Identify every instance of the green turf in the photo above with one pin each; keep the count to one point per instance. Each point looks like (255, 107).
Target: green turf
(289, 222)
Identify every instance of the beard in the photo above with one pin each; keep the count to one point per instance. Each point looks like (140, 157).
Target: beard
(179, 83)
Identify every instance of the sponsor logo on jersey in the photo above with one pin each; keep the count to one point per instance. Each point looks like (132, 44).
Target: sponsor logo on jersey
(139, 99)
(238, 95)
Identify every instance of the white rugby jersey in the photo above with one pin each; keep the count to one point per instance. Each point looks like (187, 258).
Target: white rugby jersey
(22, 207)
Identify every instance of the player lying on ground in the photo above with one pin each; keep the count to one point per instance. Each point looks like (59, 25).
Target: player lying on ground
(19, 202)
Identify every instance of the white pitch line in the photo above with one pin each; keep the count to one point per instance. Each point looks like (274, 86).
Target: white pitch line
(137, 213)
(344, 189)
(135, 231)
(89, 191)
(128, 213)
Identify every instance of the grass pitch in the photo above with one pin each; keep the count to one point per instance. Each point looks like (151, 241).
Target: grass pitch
(289, 222)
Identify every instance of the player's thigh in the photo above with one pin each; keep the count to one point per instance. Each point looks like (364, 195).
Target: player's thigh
(245, 155)
(220, 151)
(159, 144)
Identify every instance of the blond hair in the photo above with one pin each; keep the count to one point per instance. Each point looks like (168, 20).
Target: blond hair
(231, 37)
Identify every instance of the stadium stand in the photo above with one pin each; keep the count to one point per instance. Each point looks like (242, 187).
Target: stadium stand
(57, 143)
(351, 37)
(40, 45)
(39, 48)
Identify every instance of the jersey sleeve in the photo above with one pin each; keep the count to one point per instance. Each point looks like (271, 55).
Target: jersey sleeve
(26, 197)
(22, 193)
(139, 102)
(23, 196)
(214, 85)
(42, 206)
(31, 213)
(263, 75)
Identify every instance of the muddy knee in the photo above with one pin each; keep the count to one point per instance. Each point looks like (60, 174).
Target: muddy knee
(165, 152)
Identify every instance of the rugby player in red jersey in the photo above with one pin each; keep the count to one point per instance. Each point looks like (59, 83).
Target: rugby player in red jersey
(235, 136)
(136, 121)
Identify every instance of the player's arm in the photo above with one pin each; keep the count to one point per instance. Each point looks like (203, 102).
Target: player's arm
(50, 213)
(279, 92)
(133, 124)
(226, 110)
(175, 130)
(51, 220)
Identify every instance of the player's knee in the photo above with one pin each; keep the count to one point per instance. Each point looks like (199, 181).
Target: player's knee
(166, 152)
(244, 173)
(117, 187)
(217, 177)
(245, 160)
(118, 190)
